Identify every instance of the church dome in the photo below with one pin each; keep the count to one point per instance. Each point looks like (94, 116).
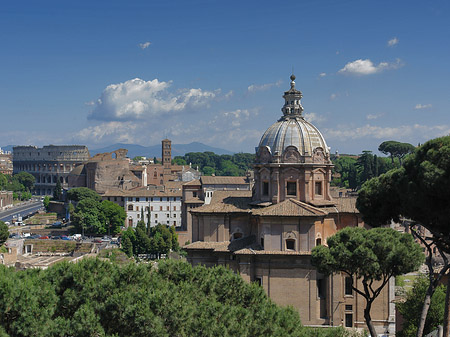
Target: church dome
(292, 133)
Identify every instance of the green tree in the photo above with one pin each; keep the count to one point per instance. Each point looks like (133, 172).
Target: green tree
(368, 255)
(26, 179)
(137, 158)
(396, 149)
(114, 215)
(4, 233)
(80, 193)
(3, 181)
(57, 192)
(411, 309)
(46, 202)
(87, 216)
(127, 246)
(420, 190)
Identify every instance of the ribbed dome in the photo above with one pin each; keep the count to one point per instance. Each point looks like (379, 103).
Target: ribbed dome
(293, 131)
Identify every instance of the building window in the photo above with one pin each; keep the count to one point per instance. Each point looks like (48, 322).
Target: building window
(348, 307)
(130, 207)
(156, 215)
(318, 241)
(174, 223)
(174, 208)
(168, 215)
(258, 281)
(321, 288)
(261, 241)
(137, 199)
(265, 188)
(290, 244)
(318, 188)
(137, 208)
(194, 194)
(291, 188)
(138, 215)
(348, 320)
(130, 222)
(115, 198)
(151, 208)
(348, 286)
(160, 208)
(168, 208)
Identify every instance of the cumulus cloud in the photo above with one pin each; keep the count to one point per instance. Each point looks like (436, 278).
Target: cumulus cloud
(392, 42)
(322, 74)
(379, 132)
(109, 132)
(144, 45)
(423, 106)
(367, 67)
(262, 87)
(138, 99)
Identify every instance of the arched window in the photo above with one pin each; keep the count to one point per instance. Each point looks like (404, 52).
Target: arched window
(237, 235)
(130, 207)
(318, 241)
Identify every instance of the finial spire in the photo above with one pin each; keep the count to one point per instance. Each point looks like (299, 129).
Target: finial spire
(292, 107)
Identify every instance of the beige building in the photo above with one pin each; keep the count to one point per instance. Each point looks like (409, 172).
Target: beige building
(267, 234)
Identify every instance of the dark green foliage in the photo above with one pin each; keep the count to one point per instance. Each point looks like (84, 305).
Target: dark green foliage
(57, 192)
(98, 298)
(4, 233)
(3, 181)
(210, 163)
(160, 239)
(420, 190)
(412, 308)
(369, 255)
(80, 193)
(396, 149)
(26, 179)
(114, 216)
(46, 202)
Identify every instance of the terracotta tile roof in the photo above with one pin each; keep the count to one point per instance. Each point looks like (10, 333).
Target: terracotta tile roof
(226, 246)
(290, 207)
(194, 182)
(220, 180)
(227, 202)
(114, 193)
(194, 201)
(173, 184)
(343, 205)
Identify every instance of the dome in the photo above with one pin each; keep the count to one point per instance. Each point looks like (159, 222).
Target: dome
(296, 132)
(292, 131)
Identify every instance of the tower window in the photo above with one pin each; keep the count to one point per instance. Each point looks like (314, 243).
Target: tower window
(318, 188)
(291, 188)
(265, 188)
(348, 320)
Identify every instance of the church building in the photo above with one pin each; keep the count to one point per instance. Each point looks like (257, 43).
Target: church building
(267, 234)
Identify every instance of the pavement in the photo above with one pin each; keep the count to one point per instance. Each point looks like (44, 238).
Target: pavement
(23, 209)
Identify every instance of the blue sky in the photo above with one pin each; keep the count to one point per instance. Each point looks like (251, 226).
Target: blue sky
(100, 72)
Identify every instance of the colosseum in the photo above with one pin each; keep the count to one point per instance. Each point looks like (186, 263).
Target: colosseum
(49, 164)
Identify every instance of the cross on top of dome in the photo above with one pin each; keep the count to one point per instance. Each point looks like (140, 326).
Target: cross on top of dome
(292, 106)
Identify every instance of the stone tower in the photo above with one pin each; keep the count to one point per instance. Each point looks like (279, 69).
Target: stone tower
(166, 153)
(292, 159)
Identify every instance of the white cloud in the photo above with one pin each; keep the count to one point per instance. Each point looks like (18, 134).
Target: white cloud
(392, 42)
(144, 45)
(312, 117)
(333, 96)
(415, 131)
(367, 67)
(373, 116)
(423, 106)
(322, 74)
(139, 99)
(262, 87)
(109, 132)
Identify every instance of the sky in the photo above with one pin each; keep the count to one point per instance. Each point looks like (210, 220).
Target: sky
(100, 72)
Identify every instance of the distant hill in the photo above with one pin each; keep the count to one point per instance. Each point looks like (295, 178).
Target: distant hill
(155, 150)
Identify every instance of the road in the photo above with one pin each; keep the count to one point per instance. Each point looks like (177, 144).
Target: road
(22, 210)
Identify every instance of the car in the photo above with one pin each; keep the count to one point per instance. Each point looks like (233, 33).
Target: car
(98, 241)
(106, 239)
(35, 236)
(45, 237)
(65, 237)
(56, 237)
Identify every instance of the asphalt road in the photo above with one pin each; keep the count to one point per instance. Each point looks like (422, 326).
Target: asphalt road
(22, 210)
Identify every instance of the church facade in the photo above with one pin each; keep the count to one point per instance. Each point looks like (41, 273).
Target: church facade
(266, 235)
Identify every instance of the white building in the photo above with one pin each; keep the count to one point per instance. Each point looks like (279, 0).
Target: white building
(164, 206)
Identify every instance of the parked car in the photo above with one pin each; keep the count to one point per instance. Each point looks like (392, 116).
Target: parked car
(45, 237)
(56, 237)
(98, 241)
(65, 237)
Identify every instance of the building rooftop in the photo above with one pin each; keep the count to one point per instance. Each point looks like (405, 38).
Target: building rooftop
(221, 180)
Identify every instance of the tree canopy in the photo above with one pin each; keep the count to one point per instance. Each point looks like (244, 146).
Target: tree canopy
(4, 232)
(368, 255)
(396, 149)
(80, 193)
(99, 298)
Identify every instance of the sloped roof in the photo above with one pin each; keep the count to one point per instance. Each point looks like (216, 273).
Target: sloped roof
(290, 207)
(220, 180)
(194, 182)
(227, 202)
(343, 205)
(144, 192)
(226, 246)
